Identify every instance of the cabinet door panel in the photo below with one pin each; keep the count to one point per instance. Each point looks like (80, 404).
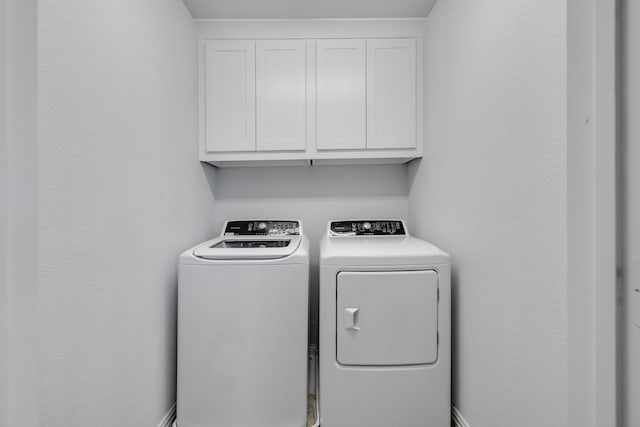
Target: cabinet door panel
(391, 93)
(341, 98)
(229, 95)
(280, 95)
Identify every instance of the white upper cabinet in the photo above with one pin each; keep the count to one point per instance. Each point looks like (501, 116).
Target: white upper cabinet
(229, 96)
(391, 93)
(320, 91)
(341, 96)
(280, 95)
(367, 94)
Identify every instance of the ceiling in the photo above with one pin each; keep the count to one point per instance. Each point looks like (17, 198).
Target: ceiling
(308, 9)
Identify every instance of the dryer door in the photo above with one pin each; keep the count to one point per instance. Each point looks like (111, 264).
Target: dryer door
(387, 318)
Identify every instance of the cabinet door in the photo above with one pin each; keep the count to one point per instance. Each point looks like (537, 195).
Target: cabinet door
(280, 95)
(391, 93)
(341, 96)
(229, 110)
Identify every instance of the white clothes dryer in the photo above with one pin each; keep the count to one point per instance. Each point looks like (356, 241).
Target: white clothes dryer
(385, 327)
(242, 327)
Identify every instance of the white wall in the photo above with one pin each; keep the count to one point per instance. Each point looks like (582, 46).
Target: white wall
(121, 195)
(18, 222)
(3, 217)
(314, 195)
(591, 208)
(491, 191)
(631, 150)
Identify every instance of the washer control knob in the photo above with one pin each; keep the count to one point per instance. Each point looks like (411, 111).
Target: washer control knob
(262, 226)
(366, 226)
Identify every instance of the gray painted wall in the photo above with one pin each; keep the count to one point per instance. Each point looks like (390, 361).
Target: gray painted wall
(631, 237)
(19, 219)
(491, 190)
(314, 195)
(591, 210)
(121, 194)
(3, 219)
(581, 147)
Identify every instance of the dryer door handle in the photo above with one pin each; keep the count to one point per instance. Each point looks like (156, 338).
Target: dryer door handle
(352, 318)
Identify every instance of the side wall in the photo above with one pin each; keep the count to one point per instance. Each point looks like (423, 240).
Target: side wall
(4, 328)
(631, 148)
(591, 210)
(122, 194)
(18, 200)
(491, 190)
(314, 195)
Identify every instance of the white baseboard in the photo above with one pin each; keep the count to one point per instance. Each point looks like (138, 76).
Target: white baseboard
(457, 420)
(169, 417)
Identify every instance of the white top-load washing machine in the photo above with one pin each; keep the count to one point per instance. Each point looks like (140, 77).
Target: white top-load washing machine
(242, 327)
(384, 328)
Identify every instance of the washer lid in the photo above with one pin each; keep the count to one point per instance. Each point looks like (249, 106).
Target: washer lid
(253, 239)
(248, 247)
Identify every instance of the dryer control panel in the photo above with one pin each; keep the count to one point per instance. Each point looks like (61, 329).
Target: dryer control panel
(262, 228)
(367, 228)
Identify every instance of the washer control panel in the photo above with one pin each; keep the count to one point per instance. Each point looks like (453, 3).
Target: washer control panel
(387, 227)
(262, 228)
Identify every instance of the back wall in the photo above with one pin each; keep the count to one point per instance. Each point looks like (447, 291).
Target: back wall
(314, 195)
